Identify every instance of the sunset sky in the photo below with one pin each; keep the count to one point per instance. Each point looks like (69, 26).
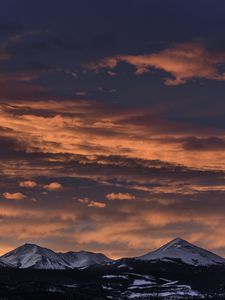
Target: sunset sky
(112, 124)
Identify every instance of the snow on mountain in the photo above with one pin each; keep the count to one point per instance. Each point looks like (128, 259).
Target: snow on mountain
(34, 256)
(30, 255)
(186, 252)
(4, 265)
(83, 259)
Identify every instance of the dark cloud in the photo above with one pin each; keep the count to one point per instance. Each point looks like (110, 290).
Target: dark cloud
(204, 144)
(10, 147)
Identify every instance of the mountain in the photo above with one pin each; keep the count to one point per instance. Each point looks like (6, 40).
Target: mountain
(34, 256)
(179, 249)
(83, 258)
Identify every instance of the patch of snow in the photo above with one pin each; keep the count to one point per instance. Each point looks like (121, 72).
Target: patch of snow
(107, 287)
(114, 276)
(71, 285)
(142, 282)
(122, 266)
(167, 294)
(83, 259)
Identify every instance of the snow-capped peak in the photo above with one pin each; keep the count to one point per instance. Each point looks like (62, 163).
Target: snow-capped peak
(34, 256)
(176, 243)
(184, 251)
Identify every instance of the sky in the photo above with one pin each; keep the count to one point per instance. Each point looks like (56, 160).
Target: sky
(112, 124)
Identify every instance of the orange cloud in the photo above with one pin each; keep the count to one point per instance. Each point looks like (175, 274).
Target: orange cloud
(84, 200)
(28, 184)
(96, 204)
(53, 186)
(120, 196)
(91, 203)
(183, 62)
(91, 129)
(14, 196)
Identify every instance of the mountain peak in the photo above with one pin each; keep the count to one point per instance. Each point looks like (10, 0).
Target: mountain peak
(179, 249)
(177, 241)
(32, 255)
(29, 246)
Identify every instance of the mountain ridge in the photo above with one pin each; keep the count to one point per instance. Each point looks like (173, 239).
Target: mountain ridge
(34, 256)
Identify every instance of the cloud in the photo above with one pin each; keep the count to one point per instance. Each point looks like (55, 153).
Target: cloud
(120, 196)
(10, 90)
(183, 62)
(81, 93)
(91, 203)
(96, 204)
(28, 184)
(14, 196)
(84, 200)
(93, 129)
(102, 150)
(51, 134)
(53, 186)
(204, 144)
(90, 224)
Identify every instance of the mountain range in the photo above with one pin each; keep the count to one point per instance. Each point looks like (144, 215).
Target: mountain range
(34, 256)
